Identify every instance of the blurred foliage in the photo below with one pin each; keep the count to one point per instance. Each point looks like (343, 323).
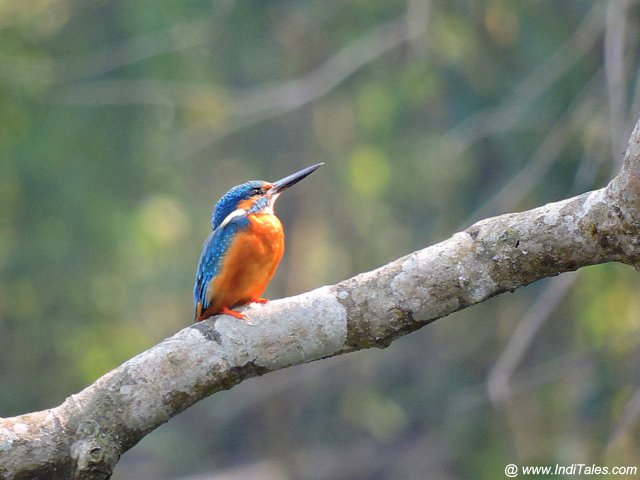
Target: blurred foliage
(121, 123)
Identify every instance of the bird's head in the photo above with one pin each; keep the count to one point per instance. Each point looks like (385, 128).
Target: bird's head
(255, 196)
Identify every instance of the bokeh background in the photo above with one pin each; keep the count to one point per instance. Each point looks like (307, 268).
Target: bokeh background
(122, 122)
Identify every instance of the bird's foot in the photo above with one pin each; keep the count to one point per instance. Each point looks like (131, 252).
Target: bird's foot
(233, 313)
(259, 300)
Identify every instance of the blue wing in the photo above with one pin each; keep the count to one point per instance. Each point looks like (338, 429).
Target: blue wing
(213, 251)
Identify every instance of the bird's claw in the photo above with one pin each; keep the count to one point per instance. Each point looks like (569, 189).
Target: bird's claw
(259, 300)
(233, 313)
(238, 315)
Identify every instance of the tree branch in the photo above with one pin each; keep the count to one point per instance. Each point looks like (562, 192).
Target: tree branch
(85, 436)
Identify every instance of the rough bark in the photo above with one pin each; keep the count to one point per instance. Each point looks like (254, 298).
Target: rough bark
(85, 436)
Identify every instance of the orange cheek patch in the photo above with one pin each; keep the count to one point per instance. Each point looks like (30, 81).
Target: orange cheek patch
(247, 203)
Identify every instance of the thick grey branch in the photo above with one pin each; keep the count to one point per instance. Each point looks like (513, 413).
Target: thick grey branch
(85, 436)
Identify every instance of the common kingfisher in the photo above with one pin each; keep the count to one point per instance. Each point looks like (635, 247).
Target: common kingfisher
(244, 248)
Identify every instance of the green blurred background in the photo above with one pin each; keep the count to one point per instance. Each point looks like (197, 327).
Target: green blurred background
(122, 122)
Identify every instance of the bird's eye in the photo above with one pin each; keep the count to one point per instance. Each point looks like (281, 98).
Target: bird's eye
(256, 191)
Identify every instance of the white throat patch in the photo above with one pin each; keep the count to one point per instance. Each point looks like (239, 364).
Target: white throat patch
(236, 213)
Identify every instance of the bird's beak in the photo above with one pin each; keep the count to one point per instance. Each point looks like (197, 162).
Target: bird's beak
(281, 185)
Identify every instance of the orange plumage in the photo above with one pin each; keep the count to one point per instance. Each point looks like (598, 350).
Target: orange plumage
(249, 263)
(244, 249)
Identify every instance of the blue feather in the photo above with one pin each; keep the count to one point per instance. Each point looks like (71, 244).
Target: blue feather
(218, 242)
(213, 252)
(229, 202)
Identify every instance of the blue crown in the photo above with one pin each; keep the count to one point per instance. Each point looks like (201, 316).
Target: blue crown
(229, 201)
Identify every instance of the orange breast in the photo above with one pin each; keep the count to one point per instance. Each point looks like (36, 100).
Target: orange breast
(249, 263)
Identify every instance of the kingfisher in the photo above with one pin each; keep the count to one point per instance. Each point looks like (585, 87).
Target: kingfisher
(244, 248)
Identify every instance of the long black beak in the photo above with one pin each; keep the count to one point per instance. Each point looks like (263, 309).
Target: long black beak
(291, 180)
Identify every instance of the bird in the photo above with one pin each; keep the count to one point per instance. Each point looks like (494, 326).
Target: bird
(244, 248)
